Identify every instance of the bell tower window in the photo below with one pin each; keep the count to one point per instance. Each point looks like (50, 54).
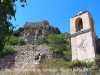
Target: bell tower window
(79, 24)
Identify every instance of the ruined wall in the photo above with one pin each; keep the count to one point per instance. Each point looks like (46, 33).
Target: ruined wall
(35, 31)
(25, 57)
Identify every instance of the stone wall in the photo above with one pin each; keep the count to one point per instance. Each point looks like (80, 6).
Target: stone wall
(24, 57)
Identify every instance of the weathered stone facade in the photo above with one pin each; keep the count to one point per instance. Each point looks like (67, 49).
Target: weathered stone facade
(83, 37)
(25, 56)
(35, 31)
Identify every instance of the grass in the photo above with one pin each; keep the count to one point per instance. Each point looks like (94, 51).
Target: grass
(29, 70)
(34, 72)
(56, 63)
(53, 67)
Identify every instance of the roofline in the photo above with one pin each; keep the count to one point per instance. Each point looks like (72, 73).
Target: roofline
(81, 13)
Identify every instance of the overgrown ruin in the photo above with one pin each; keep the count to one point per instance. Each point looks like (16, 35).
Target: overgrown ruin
(84, 42)
(34, 31)
(83, 37)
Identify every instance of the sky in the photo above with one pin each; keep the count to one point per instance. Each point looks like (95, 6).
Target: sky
(56, 12)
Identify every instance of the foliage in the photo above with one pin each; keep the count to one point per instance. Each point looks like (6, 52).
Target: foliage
(22, 42)
(7, 50)
(58, 43)
(7, 12)
(83, 67)
(60, 63)
(16, 41)
(16, 33)
(79, 64)
(97, 60)
(94, 68)
(56, 63)
(67, 55)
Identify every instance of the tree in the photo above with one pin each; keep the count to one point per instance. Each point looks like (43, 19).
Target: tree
(17, 32)
(7, 12)
(58, 43)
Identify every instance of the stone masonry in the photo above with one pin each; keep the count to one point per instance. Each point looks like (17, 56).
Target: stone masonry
(25, 56)
(83, 37)
(35, 31)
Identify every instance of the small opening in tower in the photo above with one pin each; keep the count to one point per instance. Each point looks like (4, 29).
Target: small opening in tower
(79, 24)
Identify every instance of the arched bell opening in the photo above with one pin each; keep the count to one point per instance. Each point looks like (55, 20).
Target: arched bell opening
(79, 24)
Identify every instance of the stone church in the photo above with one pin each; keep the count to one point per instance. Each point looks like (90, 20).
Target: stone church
(84, 42)
(83, 37)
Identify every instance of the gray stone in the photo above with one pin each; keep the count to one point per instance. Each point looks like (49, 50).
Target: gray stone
(35, 31)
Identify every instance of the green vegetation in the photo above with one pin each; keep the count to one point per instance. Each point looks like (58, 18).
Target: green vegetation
(7, 12)
(82, 67)
(22, 42)
(56, 63)
(97, 61)
(7, 50)
(60, 63)
(16, 33)
(59, 44)
(16, 41)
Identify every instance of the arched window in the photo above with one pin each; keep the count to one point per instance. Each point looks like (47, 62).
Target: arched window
(79, 24)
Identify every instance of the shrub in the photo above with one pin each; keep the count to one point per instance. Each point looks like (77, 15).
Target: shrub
(58, 54)
(22, 42)
(16, 41)
(67, 55)
(94, 68)
(97, 60)
(79, 64)
(16, 33)
(58, 44)
(7, 50)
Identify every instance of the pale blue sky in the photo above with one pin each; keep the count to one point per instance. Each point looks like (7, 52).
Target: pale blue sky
(57, 12)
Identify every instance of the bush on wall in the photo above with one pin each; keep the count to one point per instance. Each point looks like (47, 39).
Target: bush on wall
(7, 50)
(16, 41)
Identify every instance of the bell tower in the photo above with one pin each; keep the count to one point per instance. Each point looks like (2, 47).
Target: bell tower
(83, 37)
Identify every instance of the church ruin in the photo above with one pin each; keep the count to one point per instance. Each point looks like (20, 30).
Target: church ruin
(83, 37)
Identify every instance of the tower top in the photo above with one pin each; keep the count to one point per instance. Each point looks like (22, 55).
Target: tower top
(80, 13)
(82, 21)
